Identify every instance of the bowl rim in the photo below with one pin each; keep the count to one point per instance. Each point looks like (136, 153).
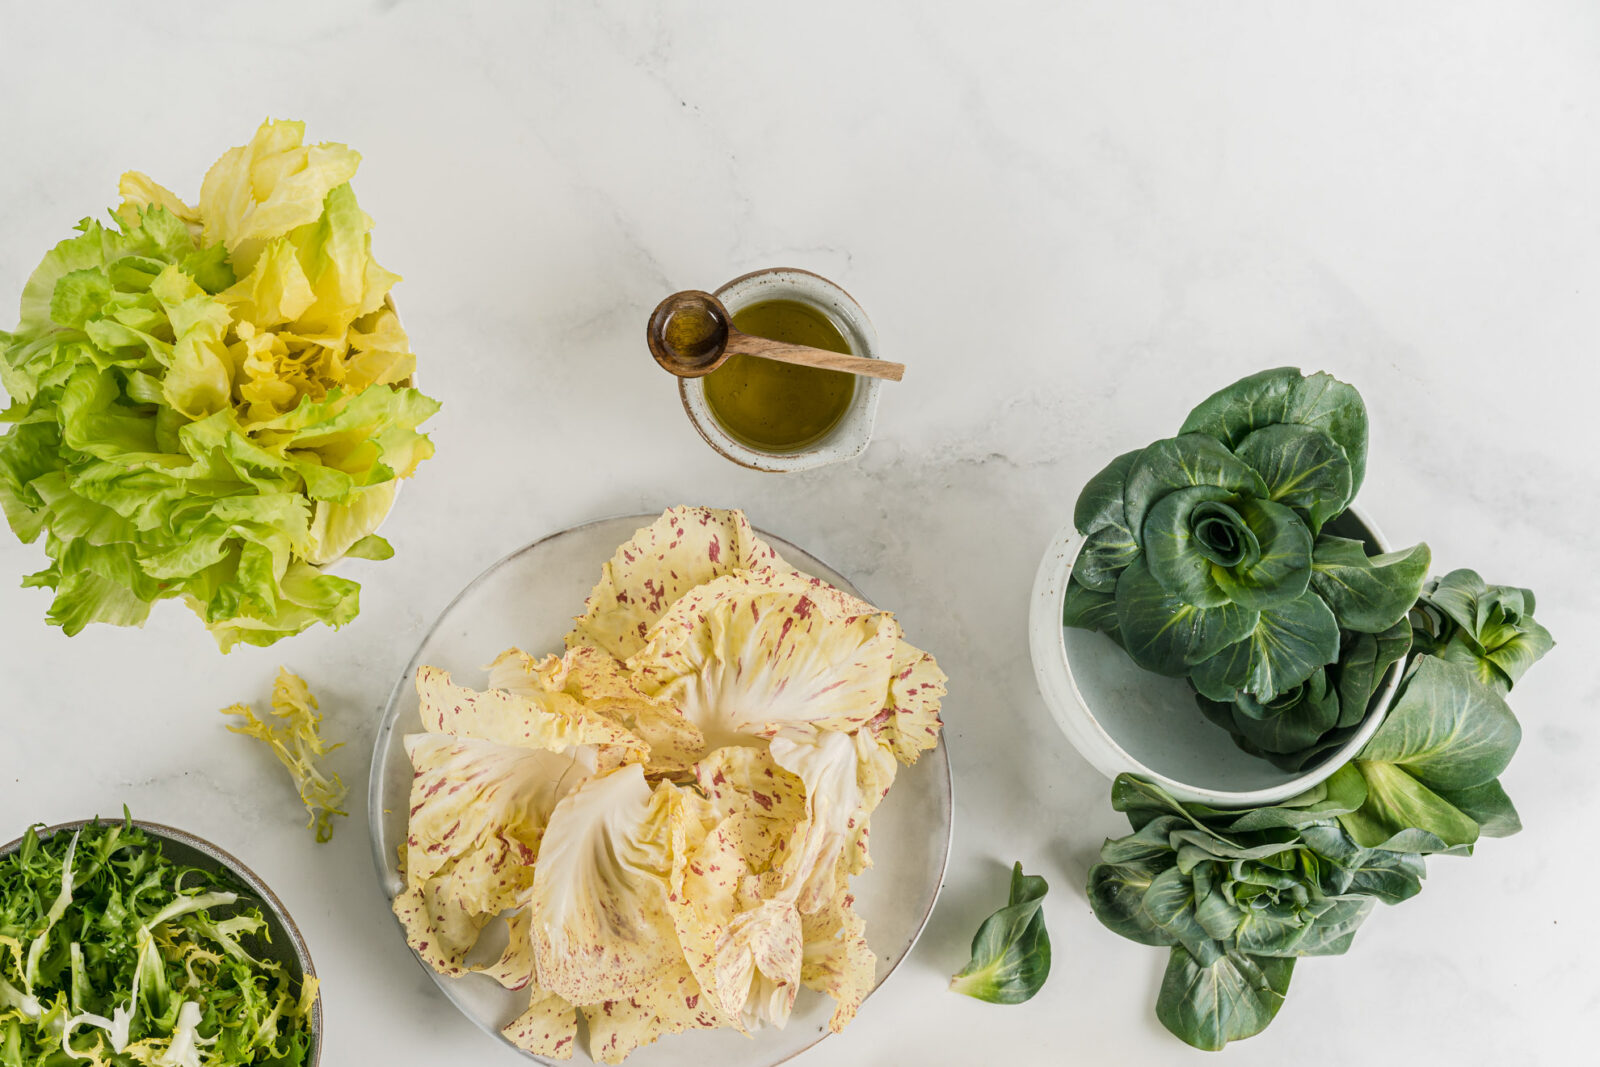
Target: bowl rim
(237, 868)
(1075, 718)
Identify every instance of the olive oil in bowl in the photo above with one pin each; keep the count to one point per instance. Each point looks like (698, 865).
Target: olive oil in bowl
(780, 407)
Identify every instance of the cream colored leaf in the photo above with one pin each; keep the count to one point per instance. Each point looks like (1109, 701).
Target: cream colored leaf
(684, 548)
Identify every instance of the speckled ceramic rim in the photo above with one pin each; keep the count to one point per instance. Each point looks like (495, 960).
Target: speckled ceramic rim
(388, 874)
(1071, 710)
(853, 433)
(235, 867)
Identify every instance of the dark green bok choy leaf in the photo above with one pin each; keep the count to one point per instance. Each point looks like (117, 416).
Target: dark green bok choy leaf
(1488, 628)
(1011, 951)
(1205, 557)
(1238, 896)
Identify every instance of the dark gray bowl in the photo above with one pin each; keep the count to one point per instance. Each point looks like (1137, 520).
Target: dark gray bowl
(285, 946)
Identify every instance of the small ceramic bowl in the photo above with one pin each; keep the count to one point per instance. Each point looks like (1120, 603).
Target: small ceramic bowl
(1123, 718)
(283, 943)
(846, 440)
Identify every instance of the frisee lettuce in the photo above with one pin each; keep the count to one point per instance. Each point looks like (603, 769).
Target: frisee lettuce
(294, 735)
(111, 954)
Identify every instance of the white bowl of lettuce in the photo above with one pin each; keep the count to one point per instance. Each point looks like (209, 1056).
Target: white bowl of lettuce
(1124, 719)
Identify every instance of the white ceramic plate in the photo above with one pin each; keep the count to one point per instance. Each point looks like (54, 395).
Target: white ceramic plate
(1122, 718)
(528, 599)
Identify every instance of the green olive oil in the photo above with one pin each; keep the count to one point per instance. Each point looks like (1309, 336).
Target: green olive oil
(779, 407)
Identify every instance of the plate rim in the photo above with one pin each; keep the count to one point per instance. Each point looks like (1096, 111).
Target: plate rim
(387, 724)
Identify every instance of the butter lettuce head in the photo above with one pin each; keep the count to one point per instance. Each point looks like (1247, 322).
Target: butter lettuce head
(211, 404)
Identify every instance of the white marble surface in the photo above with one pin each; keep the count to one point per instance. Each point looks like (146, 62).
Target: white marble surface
(1072, 221)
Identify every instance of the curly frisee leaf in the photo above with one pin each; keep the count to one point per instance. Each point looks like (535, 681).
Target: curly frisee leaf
(111, 954)
(293, 734)
(1011, 951)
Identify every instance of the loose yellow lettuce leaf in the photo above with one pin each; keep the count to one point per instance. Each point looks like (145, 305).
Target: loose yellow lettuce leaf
(757, 804)
(294, 736)
(549, 1025)
(483, 807)
(478, 812)
(844, 777)
(910, 723)
(830, 599)
(438, 927)
(268, 187)
(488, 775)
(828, 764)
(514, 968)
(682, 549)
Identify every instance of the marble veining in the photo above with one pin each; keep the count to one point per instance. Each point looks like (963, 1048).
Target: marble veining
(1071, 221)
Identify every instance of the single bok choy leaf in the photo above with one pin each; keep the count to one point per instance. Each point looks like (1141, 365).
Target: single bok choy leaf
(1011, 951)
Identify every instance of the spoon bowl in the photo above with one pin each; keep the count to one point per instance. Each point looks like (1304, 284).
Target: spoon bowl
(691, 334)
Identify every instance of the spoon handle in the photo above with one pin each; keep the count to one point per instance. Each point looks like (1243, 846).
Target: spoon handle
(805, 356)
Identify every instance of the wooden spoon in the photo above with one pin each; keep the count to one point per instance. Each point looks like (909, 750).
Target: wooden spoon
(691, 335)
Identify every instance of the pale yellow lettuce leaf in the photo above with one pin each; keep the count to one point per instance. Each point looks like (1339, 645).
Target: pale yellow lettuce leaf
(684, 548)
(910, 723)
(268, 187)
(438, 927)
(603, 686)
(672, 1004)
(533, 719)
(838, 961)
(740, 932)
(477, 813)
(198, 380)
(548, 1027)
(275, 293)
(742, 662)
(602, 927)
(483, 806)
(514, 966)
(139, 192)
